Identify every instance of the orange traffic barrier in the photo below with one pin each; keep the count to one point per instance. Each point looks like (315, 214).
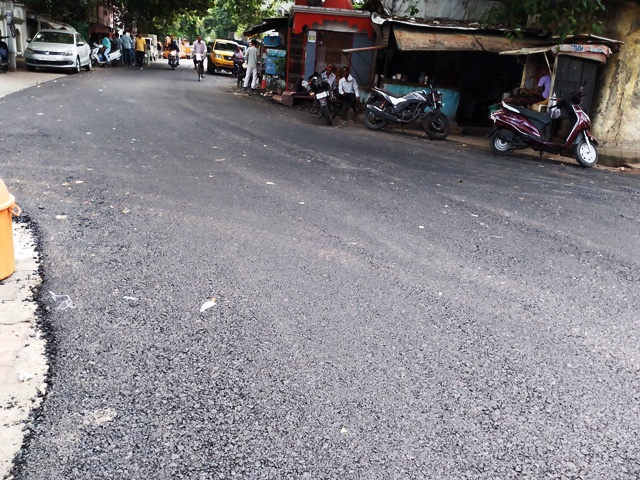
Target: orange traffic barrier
(8, 209)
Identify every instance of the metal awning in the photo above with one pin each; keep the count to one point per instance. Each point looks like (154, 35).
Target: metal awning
(364, 49)
(598, 53)
(429, 40)
(53, 24)
(416, 40)
(266, 25)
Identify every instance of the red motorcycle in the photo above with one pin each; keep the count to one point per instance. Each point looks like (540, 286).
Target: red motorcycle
(518, 127)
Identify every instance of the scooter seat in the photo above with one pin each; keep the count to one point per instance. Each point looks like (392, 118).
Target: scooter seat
(541, 117)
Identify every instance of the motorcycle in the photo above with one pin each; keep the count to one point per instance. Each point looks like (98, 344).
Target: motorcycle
(322, 91)
(240, 71)
(174, 59)
(518, 127)
(384, 107)
(114, 57)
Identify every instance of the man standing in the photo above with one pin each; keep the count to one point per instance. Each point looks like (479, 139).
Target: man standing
(238, 58)
(140, 48)
(348, 91)
(252, 66)
(199, 47)
(127, 46)
(117, 43)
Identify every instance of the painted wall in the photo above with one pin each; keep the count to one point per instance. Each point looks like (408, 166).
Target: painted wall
(617, 106)
(452, 9)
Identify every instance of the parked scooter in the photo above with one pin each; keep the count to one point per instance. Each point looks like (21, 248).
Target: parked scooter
(174, 59)
(518, 127)
(97, 58)
(384, 107)
(322, 91)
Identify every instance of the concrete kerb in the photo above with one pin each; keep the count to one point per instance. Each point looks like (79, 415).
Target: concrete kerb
(21, 78)
(23, 364)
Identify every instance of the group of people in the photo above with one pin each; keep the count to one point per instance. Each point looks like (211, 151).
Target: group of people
(346, 89)
(127, 45)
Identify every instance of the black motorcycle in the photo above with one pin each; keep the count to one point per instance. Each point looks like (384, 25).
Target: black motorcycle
(240, 71)
(322, 91)
(384, 107)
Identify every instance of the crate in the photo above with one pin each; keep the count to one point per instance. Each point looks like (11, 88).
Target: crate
(272, 41)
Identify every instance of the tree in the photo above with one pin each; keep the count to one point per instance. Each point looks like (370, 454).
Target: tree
(562, 17)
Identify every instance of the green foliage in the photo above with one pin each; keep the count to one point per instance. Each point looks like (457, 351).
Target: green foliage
(561, 17)
(185, 18)
(65, 10)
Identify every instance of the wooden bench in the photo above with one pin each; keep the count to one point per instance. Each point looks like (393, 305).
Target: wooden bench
(289, 98)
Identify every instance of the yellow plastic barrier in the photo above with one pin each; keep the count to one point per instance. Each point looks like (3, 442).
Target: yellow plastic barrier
(8, 209)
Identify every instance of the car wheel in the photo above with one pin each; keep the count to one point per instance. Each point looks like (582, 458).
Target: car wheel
(209, 67)
(87, 67)
(76, 67)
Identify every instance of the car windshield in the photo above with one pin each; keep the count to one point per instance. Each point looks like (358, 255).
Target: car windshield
(229, 47)
(54, 37)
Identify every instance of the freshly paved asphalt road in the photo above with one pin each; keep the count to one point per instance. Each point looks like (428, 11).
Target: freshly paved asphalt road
(386, 306)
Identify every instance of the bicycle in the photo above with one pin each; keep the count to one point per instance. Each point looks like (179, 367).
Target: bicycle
(200, 64)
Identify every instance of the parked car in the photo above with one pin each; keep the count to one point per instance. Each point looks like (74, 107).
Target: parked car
(221, 56)
(62, 49)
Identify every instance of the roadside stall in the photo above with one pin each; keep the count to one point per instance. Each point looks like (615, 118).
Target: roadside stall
(568, 65)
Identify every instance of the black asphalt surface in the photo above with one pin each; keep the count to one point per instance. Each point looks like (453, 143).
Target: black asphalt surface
(387, 307)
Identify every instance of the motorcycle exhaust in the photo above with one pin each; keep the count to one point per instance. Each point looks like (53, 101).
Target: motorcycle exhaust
(378, 112)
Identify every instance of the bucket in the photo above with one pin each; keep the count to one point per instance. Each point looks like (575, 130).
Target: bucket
(8, 209)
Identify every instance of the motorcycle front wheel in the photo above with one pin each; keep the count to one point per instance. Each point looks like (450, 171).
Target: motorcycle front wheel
(324, 109)
(436, 125)
(373, 122)
(586, 153)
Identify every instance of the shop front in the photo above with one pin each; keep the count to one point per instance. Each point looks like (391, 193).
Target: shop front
(318, 36)
(460, 59)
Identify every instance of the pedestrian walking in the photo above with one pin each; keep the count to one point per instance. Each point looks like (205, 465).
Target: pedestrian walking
(141, 45)
(252, 66)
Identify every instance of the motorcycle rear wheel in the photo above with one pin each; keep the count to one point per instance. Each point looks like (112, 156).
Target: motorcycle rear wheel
(586, 153)
(326, 114)
(373, 122)
(436, 125)
(500, 145)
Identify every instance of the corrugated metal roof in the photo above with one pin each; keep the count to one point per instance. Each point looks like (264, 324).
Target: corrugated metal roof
(428, 40)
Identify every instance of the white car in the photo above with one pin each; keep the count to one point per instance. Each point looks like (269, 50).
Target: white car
(62, 49)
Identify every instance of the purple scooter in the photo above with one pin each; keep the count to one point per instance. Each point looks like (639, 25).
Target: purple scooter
(518, 127)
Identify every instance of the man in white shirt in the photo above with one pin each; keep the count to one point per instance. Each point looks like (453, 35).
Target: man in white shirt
(199, 47)
(252, 66)
(329, 76)
(348, 91)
